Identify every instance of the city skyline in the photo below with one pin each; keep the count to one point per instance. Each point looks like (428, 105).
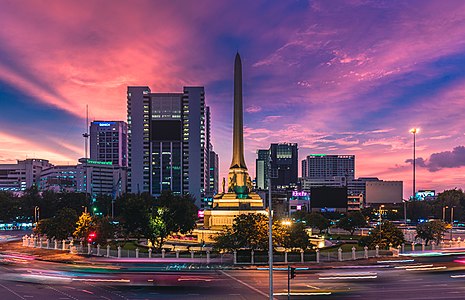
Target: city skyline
(350, 78)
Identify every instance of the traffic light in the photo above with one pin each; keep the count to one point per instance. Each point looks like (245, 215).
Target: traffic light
(292, 272)
(91, 237)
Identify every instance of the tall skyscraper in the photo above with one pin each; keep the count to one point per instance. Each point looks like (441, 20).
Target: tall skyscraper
(280, 162)
(109, 142)
(213, 172)
(262, 169)
(167, 142)
(323, 166)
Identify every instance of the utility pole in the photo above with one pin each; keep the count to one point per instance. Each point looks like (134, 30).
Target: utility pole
(270, 238)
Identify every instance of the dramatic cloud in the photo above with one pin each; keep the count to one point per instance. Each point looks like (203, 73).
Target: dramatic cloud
(350, 78)
(443, 160)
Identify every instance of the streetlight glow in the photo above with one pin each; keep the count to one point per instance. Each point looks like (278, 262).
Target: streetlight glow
(415, 130)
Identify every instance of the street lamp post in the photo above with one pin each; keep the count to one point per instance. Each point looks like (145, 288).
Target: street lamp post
(444, 213)
(451, 220)
(414, 131)
(270, 240)
(36, 214)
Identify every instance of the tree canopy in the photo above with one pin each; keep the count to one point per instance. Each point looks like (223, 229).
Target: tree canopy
(352, 221)
(383, 235)
(431, 231)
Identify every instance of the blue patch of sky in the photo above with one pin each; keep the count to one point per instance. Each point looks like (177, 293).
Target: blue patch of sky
(22, 114)
(414, 87)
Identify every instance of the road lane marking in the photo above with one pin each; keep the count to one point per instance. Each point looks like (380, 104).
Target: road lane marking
(246, 284)
(313, 287)
(304, 294)
(107, 290)
(63, 293)
(10, 290)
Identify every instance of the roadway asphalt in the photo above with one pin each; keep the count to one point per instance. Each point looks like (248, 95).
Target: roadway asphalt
(425, 277)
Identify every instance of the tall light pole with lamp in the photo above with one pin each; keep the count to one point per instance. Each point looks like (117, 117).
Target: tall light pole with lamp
(413, 131)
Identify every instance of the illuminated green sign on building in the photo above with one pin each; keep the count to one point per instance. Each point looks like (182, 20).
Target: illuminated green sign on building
(96, 162)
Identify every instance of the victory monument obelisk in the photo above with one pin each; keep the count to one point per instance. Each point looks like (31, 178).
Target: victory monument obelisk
(239, 198)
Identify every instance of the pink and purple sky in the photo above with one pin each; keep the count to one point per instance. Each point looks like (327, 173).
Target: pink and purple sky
(336, 77)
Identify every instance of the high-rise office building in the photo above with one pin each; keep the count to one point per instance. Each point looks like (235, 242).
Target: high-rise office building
(167, 142)
(322, 166)
(280, 163)
(262, 169)
(213, 173)
(109, 142)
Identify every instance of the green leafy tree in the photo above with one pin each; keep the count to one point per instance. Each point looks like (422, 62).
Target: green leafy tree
(383, 235)
(317, 220)
(250, 231)
(295, 237)
(84, 226)
(103, 204)
(431, 231)
(104, 229)
(352, 221)
(133, 214)
(170, 214)
(227, 240)
(60, 226)
(9, 206)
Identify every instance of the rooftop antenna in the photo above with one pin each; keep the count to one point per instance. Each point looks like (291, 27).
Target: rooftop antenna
(86, 134)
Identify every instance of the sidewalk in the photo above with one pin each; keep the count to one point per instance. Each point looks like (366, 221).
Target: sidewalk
(42, 254)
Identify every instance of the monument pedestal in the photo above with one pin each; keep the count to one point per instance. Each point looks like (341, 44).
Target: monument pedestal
(228, 206)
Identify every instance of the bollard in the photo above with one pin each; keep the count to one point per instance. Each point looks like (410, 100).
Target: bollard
(89, 251)
(339, 254)
(285, 257)
(177, 253)
(301, 255)
(47, 243)
(119, 251)
(365, 252)
(377, 251)
(423, 246)
(150, 252)
(71, 246)
(24, 241)
(56, 245)
(235, 257)
(163, 253)
(63, 245)
(98, 249)
(317, 251)
(252, 257)
(40, 242)
(108, 250)
(403, 248)
(208, 257)
(413, 246)
(450, 243)
(137, 252)
(81, 247)
(398, 250)
(433, 245)
(192, 254)
(353, 253)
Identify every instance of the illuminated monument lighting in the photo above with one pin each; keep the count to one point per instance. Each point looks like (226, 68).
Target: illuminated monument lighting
(239, 198)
